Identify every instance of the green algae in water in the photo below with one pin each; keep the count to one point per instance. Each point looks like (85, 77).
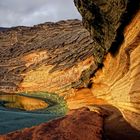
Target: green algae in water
(57, 104)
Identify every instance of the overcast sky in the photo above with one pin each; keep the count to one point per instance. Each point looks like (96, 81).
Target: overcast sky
(31, 12)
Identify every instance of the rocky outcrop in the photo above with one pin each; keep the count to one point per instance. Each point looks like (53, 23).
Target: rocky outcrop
(62, 58)
(80, 124)
(106, 19)
(117, 82)
(52, 57)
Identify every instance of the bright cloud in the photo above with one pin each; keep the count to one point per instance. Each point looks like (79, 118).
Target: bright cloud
(31, 12)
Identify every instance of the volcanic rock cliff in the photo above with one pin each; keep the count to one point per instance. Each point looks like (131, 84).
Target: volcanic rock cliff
(51, 57)
(48, 57)
(118, 80)
(97, 68)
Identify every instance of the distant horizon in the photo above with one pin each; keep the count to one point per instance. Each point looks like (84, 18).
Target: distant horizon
(5, 27)
(29, 13)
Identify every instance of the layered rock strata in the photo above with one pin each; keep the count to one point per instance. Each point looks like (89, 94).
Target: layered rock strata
(52, 57)
(118, 81)
(62, 58)
(106, 20)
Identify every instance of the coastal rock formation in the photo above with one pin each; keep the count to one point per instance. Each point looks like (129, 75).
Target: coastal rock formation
(62, 58)
(118, 81)
(105, 20)
(52, 57)
(79, 124)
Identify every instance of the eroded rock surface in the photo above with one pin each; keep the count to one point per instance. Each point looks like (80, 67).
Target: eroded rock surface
(105, 20)
(62, 58)
(118, 81)
(51, 57)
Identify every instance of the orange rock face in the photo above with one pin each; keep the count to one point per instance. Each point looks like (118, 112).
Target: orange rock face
(118, 82)
(83, 97)
(51, 57)
(115, 25)
(62, 58)
(80, 124)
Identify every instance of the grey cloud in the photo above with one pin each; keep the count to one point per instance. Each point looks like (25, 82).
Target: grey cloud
(31, 12)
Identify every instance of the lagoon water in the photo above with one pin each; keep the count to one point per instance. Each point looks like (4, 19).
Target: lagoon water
(12, 119)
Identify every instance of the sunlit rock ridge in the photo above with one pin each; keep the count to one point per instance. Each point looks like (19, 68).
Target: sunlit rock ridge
(116, 25)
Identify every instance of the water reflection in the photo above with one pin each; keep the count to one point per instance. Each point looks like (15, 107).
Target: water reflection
(19, 111)
(22, 102)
